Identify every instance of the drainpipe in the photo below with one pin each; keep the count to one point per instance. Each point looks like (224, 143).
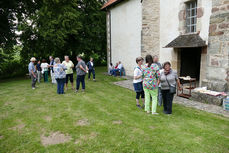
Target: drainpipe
(110, 35)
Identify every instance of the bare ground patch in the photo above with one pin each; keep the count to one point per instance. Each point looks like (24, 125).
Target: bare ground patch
(152, 127)
(55, 138)
(83, 122)
(48, 118)
(20, 126)
(117, 122)
(82, 138)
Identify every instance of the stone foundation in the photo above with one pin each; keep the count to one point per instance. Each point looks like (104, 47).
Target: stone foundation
(204, 98)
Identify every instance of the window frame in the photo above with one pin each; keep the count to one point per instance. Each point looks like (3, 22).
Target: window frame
(191, 16)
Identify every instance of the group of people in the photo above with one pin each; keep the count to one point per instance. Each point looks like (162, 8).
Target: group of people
(61, 73)
(152, 81)
(155, 82)
(42, 69)
(113, 70)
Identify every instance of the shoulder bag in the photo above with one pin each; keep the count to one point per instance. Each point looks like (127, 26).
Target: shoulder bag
(172, 89)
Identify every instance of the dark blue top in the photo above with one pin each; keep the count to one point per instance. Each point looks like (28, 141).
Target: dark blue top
(38, 67)
(90, 67)
(52, 63)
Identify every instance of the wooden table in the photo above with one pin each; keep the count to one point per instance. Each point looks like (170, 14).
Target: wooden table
(192, 85)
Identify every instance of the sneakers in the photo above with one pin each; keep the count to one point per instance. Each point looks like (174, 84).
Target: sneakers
(143, 106)
(76, 91)
(155, 113)
(139, 106)
(33, 88)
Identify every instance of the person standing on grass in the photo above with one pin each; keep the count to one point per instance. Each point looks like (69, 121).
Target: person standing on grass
(38, 67)
(60, 75)
(32, 72)
(45, 70)
(81, 70)
(156, 61)
(69, 72)
(137, 82)
(151, 76)
(91, 68)
(51, 64)
(168, 80)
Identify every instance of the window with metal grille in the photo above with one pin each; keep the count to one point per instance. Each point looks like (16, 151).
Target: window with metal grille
(191, 16)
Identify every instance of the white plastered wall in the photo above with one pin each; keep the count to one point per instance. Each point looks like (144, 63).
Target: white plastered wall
(126, 25)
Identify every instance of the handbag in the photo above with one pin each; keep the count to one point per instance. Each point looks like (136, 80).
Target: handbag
(172, 89)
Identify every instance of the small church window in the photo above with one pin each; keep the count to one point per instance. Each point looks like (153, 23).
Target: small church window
(191, 16)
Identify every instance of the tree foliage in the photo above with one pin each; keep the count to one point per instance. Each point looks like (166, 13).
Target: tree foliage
(52, 27)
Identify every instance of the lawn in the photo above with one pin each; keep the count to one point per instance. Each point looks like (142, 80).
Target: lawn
(103, 119)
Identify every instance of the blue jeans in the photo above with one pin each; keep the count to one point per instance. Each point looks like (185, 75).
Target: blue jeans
(89, 74)
(80, 79)
(60, 85)
(159, 96)
(114, 71)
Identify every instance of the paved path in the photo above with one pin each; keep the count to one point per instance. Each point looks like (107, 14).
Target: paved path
(186, 102)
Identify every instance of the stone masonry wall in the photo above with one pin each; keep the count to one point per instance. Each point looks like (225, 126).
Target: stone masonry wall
(150, 27)
(218, 49)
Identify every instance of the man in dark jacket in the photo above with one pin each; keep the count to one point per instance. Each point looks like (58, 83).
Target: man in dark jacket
(91, 68)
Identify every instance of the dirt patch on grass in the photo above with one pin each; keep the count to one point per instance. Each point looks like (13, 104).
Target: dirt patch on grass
(1, 137)
(152, 127)
(48, 118)
(20, 126)
(83, 122)
(82, 138)
(117, 122)
(55, 138)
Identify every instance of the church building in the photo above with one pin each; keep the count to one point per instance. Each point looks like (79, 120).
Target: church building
(192, 34)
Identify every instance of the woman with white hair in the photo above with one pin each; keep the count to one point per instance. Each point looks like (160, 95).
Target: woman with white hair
(60, 75)
(32, 72)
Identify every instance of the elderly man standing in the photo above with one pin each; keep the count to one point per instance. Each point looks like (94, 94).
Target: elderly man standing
(32, 72)
(51, 64)
(156, 61)
(91, 68)
(69, 71)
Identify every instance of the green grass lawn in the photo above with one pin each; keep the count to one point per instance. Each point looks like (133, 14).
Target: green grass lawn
(104, 119)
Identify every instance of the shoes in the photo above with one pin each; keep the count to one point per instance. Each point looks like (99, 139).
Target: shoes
(167, 113)
(139, 106)
(143, 106)
(155, 113)
(94, 80)
(83, 90)
(33, 88)
(76, 91)
(148, 112)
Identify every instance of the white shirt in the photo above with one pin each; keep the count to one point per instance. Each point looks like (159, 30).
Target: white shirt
(44, 67)
(137, 73)
(120, 66)
(91, 63)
